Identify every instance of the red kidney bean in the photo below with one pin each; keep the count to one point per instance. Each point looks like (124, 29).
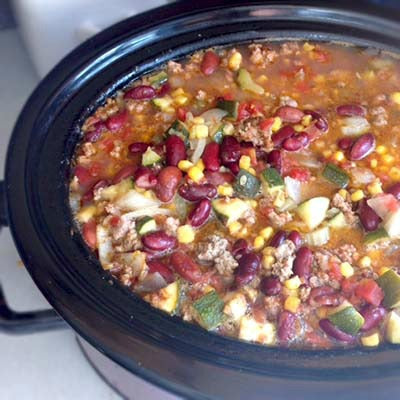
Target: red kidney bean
(219, 178)
(161, 268)
(333, 331)
(345, 143)
(278, 239)
(234, 167)
(209, 63)
(394, 190)
(249, 264)
(302, 264)
(138, 147)
(368, 217)
(239, 248)
(373, 316)
(141, 92)
(89, 233)
(124, 173)
(289, 114)
(363, 146)
(286, 326)
(351, 110)
(320, 121)
(325, 296)
(168, 180)
(270, 286)
(284, 133)
(88, 196)
(261, 154)
(295, 237)
(175, 150)
(230, 150)
(196, 191)
(275, 160)
(184, 265)
(145, 178)
(304, 139)
(163, 90)
(95, 134)
(292, 144)
(211, 157)
(117, 121)
(158, 241)
(200, 213)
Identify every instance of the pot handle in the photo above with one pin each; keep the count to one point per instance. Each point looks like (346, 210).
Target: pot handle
(23, 322)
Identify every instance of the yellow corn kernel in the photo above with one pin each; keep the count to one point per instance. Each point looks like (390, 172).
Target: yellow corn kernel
(387, 159)
(375, 187)
(369, 74)
(343, 193)
(365, 262)
(199, 131)
(234, 61)
(382, 270)
(234, 227)
(338, 156)
(293, 283)
(200, 165)
(327, 153)
(245, 162)
(198, 120)
(394, 173)
(149, 194)
(276, 125)
(243, 233)
(371, 340)
(357, 195)
(259, 243)
(396, 97)
(185, 165)
(298, 128)
(177, 92)
(373, 163)
(346, 269)
(228, 128)
(185, 234)
(181, 100)
(225, 190)
(195, 174)
(262, 79)
(267, 261)
(269, 251)
(252, 171)
(267, 232)
(292, 304)
(308, 47)
(381, 149)
(306, 120)
(253, 203)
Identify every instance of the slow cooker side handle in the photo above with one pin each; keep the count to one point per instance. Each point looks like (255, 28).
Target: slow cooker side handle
(23, 322)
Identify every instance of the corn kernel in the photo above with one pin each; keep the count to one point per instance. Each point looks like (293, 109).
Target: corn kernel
(293, 283)
(148, 194)
(382, 270)
(308, 47)
(185, 234)
(198, 120)
(177, 92)
(169, 110)
(234, 61)
(276, 125)
(373, 163)
(259, 243)
(267, 261)
(234, 227)
(343, 193)
(375, 187)
(245, 162)
(327, 153)
(253, 203)
(199, 131)
(381, 149)
(185, 165)
(225, 190)
(306, 120)
(292, 304)
(181, 100)
(262, 79)
(298, 128)
(244, 232)
(346, 269)
(365, 262)
(195, 174)
(200, 165)
(268, 251)
(394, 173)
(387, 159)
(228, 129)
(357, 195)
(252, 171)
(369, 74)
(396, 97)
(371, 340)
(267, 232)
(338, 156)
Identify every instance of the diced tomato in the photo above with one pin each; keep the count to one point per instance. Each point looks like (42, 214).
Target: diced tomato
(83, 175)
(95, 169)
(349, 285)
(302, 86)
(107, 144)
(251, 109)
(251, 152)
(266, 124)
(229, 96)
(115, 220)
(243, 112)
(181, 114)
(89, 233)
(321, 56)
(335, 271)
(299, 173)
(369, 291)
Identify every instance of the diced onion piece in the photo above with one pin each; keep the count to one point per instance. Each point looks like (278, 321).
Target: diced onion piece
(392, 224)
(354, 126)
(318, 237)
(133, 200)
(293, 189)
(213, 116)
(362, 176)
(151, 283)
(104, 245)
(148, 211)
(199, 146)
(383, 204)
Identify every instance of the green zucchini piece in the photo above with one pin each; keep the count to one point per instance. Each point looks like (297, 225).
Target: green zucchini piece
(318, 237)
(335, 175)
(393, 328)
(246, 82)
(145, 225)
(338, 221)
(150, 157)
(348, 320)
(246, 184)
(375, 236)
(209, 310)
(389, 282)
(230, 210)
(178, 128)
(110, 193)
(169, 298)
(231, 106)
(313, 211)
(162, 102)
(391, 224)
(157, 80)
(273, 177)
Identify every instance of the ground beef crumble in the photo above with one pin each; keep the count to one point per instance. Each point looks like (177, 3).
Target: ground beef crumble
(345, 206)
(284, 257)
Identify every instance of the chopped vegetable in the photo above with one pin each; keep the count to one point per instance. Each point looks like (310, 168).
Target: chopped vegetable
(112, 192)
(231, 106)
(145, 225)
(272, 177)
(158, 79)
(390, 284)
(391, 224)
(318, 237)
(375, 236)
(393, 328)
(150, 157)
(246, 184)
(348, 320)
(209, 310)
(338, 221)
(246, 82)
(335, 175)
(179, 128)
(133, 200)
(230, 209)
(313, 211)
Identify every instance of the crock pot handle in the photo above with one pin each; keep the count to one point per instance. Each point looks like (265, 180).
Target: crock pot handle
(23, 322)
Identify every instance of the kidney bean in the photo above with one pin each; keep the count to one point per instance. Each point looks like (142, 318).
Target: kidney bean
(117, 121)
(363, 146)
(278, 239)
(145, 178)
(292, 144)
(158, 241)
(141, 92)
(234, 167)
(95, 134)
(345, 143)
(249, 264)
(163, 90)
(303, 138)
(89, 233)
(286, 326)
(295, 237)
(219, 178)
(230, 150)
(320, 121)
(368, 217)
(168, 180)
(261, 154)
(270, 286)
(184, 265)
(211, 157)
(196, 191)
(284, 133)
(373, 316)
(199, 215)
(124, 173)
(209, 63)
(138, 147)
(394, 190)
(275, 160)
(351, 110)
(289, 114)
(302, 264)
(162, 269)
(325, 296)
(239, 248)
(88, 196)
(333, 331)
(175, 150)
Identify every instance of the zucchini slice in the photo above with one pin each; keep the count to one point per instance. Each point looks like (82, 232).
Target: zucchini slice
(348, 320)
(318, 237)
(230, 209)
(313, 211)
(246, 82)
(273, 177)
(167, 298)
(157, 80)
(389, 282)
(231, 106)
(145, 225)
(338, 221)
(150, 157)
(209, 310)
(246, 184)
(178, 128)
(112, 192)
(375, 236)
(335, 175)
(392, 224)
(393, 328)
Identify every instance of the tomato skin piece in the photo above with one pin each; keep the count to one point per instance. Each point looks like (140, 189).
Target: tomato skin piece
(369, 291)
(266, 124)
(300, 174)
(83, 175)
(89, 233)
(181, 114)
